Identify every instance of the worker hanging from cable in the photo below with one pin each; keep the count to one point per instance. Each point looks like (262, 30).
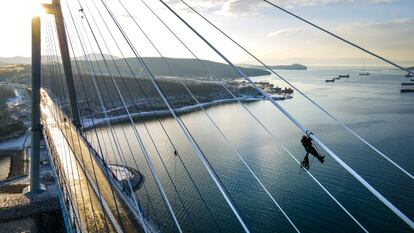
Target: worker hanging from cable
(310, 149)
(82, 12)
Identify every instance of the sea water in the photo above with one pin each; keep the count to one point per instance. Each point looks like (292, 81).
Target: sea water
(371, 105)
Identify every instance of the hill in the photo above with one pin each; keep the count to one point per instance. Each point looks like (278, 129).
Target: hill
(289, 67)
(27, 60)
(294, 66)
(96, 57)
(15, 60)
(181, 67)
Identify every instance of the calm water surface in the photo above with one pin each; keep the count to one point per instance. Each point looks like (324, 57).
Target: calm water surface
(371, 105)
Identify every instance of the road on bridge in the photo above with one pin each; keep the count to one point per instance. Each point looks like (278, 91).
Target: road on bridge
(97, 203)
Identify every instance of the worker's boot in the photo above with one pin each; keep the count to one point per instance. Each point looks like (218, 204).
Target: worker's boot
(321, 159)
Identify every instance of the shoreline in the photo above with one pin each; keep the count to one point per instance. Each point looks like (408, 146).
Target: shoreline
(89, 124)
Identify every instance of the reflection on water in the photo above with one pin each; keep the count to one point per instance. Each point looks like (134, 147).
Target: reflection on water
(371, 105)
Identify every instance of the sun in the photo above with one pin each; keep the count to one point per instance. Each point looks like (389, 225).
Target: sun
(21, 10)
(37, 8)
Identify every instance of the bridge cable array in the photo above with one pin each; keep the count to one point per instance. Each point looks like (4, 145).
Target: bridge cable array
(114, 136)
(184, 129)
(210, 118)
(383, 199)
(61, 95)
(157, 116)
(303, 94)
(95, 183)
(60, 92)
(111, 144)
(145, 125)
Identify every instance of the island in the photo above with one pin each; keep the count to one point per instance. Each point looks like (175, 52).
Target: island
(289, 67)
(294, 66)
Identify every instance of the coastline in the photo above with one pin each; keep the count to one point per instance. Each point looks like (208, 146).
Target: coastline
(89, 124)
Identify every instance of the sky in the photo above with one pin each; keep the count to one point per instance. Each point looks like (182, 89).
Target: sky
(384, 26)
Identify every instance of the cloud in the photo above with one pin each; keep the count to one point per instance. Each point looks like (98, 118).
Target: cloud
(296, 3)
(253, 7)
(395, 34)
(199, 4)
(396, 23)
(387, 26)
(283, 32)
(240, 7)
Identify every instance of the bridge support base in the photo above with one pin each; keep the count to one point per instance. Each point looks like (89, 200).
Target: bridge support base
(28, 192)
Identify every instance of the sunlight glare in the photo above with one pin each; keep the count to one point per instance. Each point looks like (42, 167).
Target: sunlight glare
(37, 9)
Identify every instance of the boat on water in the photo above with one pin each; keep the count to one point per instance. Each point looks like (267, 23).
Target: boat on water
(343, 76)
(407, 90)
(408, 75)
(407, 84)
(330, 80)
(364, 72)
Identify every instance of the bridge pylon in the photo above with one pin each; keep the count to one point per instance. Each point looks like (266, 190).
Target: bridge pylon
(55, 9)
(36, 127)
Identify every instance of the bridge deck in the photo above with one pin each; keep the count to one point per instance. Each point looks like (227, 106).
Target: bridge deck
(86, 180)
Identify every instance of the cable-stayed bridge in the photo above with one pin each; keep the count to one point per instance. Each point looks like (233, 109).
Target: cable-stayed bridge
(79, 85)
